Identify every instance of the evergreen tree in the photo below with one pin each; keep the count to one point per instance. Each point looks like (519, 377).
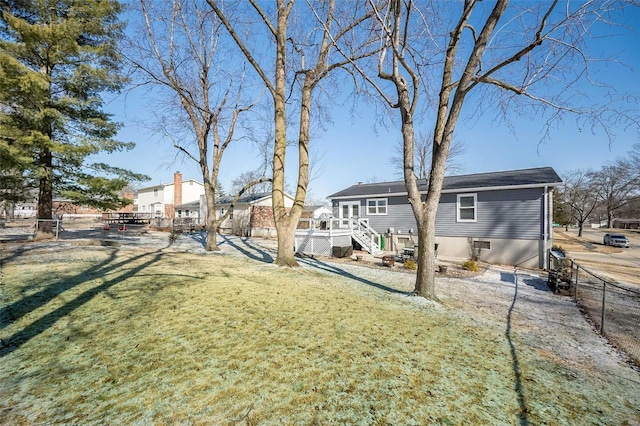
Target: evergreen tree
(56, 59)
(15, 184)
(561, 210)
(220, 192)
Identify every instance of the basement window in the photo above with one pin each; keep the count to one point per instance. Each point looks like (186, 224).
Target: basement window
(482, 245)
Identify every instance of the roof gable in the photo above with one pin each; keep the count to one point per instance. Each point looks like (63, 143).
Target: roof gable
(511, 179)
(170, 184)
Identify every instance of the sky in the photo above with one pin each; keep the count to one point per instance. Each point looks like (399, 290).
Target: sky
(356, 149)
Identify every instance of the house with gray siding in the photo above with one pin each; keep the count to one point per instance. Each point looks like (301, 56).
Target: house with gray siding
(501, 217)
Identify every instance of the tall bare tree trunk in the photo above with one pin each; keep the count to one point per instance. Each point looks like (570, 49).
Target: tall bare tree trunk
(211, 224)
(309, 76)
(285, 256)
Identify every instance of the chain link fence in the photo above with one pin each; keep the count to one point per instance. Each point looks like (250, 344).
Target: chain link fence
(613, 308)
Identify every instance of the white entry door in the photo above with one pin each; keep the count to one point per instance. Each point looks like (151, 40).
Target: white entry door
(347, 211)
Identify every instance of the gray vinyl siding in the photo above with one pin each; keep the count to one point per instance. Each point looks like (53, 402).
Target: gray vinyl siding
(509, 214)
(399, 215)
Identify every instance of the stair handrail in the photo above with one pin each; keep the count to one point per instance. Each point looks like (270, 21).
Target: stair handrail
(362, 225)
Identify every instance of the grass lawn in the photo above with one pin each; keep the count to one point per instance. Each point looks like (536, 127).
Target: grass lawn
(96, 335)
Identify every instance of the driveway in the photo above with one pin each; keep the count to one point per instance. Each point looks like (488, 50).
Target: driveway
(628, 257)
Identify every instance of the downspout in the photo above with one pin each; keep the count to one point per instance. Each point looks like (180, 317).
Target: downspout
(545, 225)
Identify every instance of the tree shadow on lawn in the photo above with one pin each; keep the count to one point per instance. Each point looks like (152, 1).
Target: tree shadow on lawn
(15, 253)
(518, 385)
(18, 309)
(199, 237)
(250, 250)
(535, 282)
(315, 263)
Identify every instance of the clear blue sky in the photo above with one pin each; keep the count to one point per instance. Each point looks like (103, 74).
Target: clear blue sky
(352, 151)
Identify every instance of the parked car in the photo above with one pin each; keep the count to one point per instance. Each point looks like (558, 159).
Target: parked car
(616, 240)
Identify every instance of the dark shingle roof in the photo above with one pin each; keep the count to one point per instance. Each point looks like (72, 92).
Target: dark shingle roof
(189, 206)
(480, 181)
(246, 198)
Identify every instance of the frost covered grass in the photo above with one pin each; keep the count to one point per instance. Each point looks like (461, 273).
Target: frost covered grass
(96, 335)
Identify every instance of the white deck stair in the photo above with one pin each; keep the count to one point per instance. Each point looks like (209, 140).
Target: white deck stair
(365, 235)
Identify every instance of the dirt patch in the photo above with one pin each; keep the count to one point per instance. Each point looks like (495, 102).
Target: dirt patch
(620, 274)
(453, 269)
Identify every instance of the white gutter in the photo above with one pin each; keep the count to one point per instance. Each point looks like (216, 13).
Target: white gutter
(545, 225)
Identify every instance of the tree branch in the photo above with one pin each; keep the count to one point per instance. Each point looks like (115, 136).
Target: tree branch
(241, 45)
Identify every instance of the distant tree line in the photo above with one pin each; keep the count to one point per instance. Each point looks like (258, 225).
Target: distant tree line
(611, 192)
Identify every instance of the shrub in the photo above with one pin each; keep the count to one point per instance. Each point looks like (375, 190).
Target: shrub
(411, 264)
(173, 236)
(559, 249)
(471, 265)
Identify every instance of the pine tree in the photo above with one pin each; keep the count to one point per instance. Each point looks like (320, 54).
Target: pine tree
(56, 59)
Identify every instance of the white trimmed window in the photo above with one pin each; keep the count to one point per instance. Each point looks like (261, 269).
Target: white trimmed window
(467, 208)
(377, 206)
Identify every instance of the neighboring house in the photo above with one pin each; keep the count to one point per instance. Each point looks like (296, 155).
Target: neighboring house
(599, 224)
(316, 212)
(501, 217)
(251, 216)
(65, 208)
(25, 210)
(191, 210)
(626, 223)
(159, 200)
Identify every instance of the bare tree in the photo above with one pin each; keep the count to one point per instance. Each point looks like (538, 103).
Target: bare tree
(631, 162)
(631, 210)
(298, 58)
(617, 186)
(179, 51)
(422, 156)
(247, 177)
(581, 194)
(490, 55)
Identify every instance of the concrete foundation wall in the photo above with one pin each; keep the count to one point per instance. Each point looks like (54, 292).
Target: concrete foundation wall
(270, 233)
(524, 253)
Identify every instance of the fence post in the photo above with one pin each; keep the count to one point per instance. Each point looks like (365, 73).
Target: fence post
(604, 293)
(575, 290)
